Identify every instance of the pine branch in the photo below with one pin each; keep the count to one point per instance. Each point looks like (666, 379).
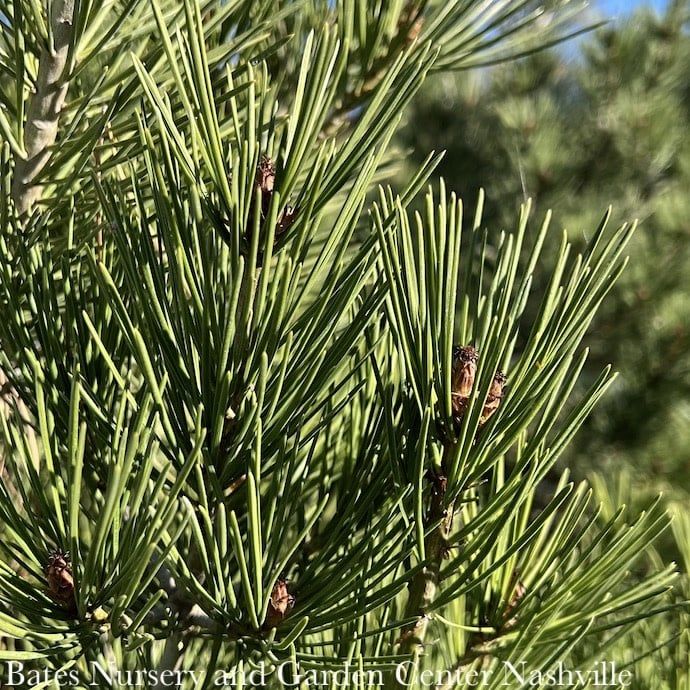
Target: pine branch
(41, 128)
(211, 446)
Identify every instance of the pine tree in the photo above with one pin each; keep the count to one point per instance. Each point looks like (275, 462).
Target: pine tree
(259, 414)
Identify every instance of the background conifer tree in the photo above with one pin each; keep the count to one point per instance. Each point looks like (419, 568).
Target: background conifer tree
(262, 409)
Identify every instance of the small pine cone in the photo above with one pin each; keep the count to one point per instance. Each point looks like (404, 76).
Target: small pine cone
(493, 399)
(464, 370)
(60, 580)
(280, 604)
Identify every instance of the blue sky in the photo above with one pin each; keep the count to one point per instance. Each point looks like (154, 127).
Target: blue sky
(616, 8)
(613, 10)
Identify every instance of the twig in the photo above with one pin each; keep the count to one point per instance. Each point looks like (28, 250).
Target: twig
(424, 586)
(41, 128)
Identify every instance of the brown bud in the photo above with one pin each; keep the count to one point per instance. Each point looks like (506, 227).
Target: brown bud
(493, 399)
(414, 31)
(265, 174)
(280, 604)
(464, 370)
(60, 581)
(410, 23)
(265, 182)
(510, 620)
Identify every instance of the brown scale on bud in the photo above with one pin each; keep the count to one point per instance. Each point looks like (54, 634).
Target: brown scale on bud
(493, 399)
(264, 181)
(509, 619)
(58, 572)
(285, 220)
(266, 174)
(280, 603)
(463, 373)
(438, 481)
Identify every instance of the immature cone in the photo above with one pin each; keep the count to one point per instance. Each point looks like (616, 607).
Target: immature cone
(493, 399)
(280, 604)
(463, 372)
(60, 581)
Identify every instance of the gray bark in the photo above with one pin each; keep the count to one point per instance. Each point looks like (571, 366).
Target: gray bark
(41, 127)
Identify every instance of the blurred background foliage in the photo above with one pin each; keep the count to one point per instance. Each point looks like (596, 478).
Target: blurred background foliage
(605, 120)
